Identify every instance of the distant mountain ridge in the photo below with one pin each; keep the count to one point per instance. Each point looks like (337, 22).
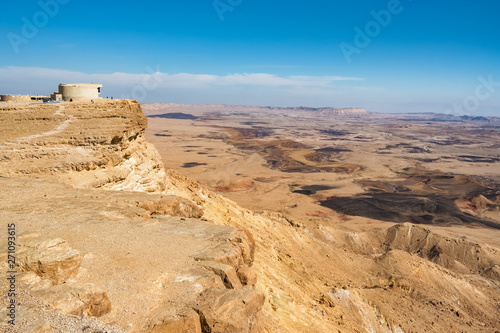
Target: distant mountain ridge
(326, 110)
(153, 108)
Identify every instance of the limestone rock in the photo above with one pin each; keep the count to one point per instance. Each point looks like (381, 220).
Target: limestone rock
(227, 274)
(32, 281)
(247, 275)
(226, 311)
(246, 243)
(240, 250)
(41, 326)
(76, 300)
(173, 206)
(49, 258)
(187, 321)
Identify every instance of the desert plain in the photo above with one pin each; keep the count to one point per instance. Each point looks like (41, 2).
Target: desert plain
(350, 170)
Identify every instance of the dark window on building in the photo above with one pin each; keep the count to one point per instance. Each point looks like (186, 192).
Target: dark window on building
(99, 90)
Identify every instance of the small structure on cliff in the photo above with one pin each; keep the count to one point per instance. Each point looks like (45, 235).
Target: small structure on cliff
(77, 92)
(67, 92)
(23, 98)
(15, 98)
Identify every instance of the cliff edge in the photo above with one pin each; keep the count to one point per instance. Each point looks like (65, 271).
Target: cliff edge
(133, 256)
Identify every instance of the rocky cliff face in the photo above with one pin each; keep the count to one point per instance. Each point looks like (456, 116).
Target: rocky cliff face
(92, 146)
(104, 230)
(135, 256)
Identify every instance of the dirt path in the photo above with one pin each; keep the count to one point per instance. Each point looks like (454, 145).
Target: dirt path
(58, 129)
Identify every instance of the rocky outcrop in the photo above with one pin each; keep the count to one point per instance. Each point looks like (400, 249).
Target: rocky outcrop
(223, 311)
(227, 274)
(173, 206)
(482, 207)
(92, 146)
(168, 321)
(49, 264)
(459, 255)
(74, 299)
(107, 259)
(49, 258)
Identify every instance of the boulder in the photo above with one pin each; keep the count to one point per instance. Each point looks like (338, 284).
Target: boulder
(247, 275)
(227, 310)
(173, 206)
(238, 250)
(78, 300)
(187, 321)
(227, 274)
(50, 258)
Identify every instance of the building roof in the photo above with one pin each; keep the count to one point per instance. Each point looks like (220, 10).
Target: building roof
(87, 85)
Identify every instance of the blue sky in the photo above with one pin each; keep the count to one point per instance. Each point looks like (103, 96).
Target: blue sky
(426, 56)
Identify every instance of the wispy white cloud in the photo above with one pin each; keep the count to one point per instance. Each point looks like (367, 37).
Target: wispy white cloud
(276, 66)
(186, 80)
(154, 85)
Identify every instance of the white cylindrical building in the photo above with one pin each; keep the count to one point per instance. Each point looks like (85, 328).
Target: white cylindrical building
(80, 91)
